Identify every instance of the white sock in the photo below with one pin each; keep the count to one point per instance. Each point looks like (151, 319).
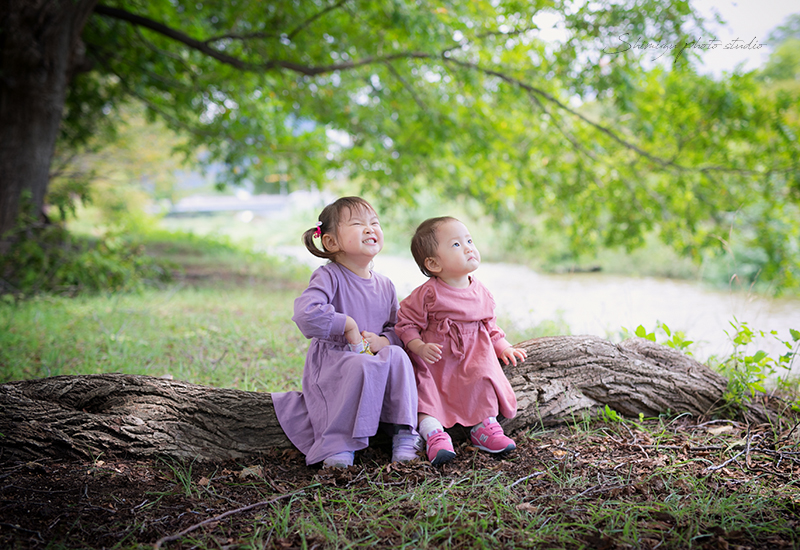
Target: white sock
(428, 425)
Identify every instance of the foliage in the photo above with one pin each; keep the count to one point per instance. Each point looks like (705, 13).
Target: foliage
(750, 373)
(584, 136)
(119, 173)
(674, 339)
(47, 258)
(181, 472)
(789, 29)
(610, 415)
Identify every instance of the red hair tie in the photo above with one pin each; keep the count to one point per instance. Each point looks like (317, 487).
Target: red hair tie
(318, 230)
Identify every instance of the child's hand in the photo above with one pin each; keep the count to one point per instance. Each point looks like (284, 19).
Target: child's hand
(351, 333)
(376, 341)
(430, 353)
(512, 354)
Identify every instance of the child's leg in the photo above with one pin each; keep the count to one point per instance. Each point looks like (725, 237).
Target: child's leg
(400, 399)
(428, 425)
(439, 444)
(488, 436)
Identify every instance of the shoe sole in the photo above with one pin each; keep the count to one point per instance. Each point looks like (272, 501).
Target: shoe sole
(405, 458)
(508, 449)
(443, 456)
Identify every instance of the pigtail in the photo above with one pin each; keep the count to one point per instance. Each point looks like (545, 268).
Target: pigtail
(309, 240)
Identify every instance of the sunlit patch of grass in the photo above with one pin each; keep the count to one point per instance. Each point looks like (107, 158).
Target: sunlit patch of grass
(229, 328)
(233, 338)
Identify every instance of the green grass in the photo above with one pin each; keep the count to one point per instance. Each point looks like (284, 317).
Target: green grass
(582, 499)
(229, 338)
(225, 322)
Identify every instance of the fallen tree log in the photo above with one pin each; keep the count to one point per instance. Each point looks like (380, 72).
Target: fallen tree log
(563, 379)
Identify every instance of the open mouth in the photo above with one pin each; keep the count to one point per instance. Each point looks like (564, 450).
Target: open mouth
(371, 240)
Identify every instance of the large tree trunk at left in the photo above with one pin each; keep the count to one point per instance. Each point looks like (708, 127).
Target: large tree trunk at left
(563, 379)
(39, 50)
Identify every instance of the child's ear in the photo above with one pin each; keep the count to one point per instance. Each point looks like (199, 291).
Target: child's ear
(432, 265)
(329, 243)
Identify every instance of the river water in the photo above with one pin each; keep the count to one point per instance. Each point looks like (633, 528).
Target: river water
(598, 304)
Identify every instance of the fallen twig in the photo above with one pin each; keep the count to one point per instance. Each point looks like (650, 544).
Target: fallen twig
(520, 480)
(191, 528)
(732, 459)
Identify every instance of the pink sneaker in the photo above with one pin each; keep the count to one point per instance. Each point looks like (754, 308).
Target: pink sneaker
(489, 437)
(440, 448)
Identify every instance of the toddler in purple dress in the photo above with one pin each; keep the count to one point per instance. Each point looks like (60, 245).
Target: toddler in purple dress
(449, 326)
(356, 372)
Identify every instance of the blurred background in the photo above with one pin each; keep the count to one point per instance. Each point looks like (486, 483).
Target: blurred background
(620, 164)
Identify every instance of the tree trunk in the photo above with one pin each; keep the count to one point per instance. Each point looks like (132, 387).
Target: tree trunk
(39, 49)
(563, 379)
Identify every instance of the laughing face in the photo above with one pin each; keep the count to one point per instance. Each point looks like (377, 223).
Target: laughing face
(358, 238)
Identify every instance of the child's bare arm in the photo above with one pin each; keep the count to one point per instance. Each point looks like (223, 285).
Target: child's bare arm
(430, 353)
(351, 332)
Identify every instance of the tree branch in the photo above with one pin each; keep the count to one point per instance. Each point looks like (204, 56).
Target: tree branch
(160, 28)
(241, 64)
(314, 17)
(664, 163)
(311, 70)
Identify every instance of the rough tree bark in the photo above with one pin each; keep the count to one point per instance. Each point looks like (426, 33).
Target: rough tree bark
(40, 49)
(564, 378)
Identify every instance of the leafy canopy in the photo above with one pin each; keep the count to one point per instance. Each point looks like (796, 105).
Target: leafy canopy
(588, 135)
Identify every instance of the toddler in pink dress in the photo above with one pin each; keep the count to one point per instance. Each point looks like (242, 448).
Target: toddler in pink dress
(449, 327)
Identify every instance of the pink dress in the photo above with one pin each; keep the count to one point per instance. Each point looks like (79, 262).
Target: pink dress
(467, 384)
(345, 395)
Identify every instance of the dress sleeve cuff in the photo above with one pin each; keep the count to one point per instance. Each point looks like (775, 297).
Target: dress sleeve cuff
(500, 344)
(394, 340)
(409, 335)
(339, 322)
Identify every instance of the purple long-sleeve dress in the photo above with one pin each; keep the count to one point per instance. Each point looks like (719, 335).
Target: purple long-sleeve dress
(346, 394)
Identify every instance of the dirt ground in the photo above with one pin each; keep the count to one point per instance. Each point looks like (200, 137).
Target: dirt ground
(129, 503)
